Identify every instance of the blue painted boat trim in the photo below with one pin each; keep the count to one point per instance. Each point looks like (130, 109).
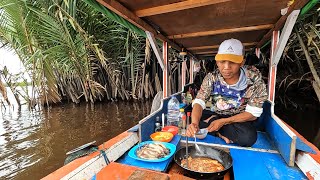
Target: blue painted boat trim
(282, 140)
(148, 126)
(304, 147)
(94, 177)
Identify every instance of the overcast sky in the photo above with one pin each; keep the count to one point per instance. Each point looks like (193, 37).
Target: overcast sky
(12, 62)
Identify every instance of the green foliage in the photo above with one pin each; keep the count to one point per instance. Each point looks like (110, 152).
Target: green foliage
(71, 50)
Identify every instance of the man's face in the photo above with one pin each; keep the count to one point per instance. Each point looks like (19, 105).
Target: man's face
(229, 69)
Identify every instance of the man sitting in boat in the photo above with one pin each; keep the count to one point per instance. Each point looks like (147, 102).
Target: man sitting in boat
(237, 94)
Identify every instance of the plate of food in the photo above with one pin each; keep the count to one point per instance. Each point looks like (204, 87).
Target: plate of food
(162, 136)
(151, 151)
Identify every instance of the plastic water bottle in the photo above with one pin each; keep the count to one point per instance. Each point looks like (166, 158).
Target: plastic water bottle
(173, 112)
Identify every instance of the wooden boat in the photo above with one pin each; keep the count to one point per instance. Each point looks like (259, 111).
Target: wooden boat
(199, 26)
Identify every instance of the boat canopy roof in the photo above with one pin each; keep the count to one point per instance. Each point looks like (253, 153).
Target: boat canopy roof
(199, 26)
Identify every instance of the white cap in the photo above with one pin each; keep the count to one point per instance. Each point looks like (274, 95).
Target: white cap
(230, 50)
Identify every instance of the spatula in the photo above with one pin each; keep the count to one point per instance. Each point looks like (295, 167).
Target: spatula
(198, 150)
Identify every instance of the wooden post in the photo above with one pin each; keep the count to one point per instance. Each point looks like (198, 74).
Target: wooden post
(165, 69)
(272, 67)
(258, 52)
(183, 73)
(277, 47)
(179, 75)
(191, 71)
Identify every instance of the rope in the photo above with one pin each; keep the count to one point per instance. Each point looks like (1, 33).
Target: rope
(102, 151)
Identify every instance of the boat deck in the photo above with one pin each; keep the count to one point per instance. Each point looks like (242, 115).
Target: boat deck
(270, 155)
(248, 163)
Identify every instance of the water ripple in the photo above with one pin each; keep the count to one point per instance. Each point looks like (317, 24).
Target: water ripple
(33, 143)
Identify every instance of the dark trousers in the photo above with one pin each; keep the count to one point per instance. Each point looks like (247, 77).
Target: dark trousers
(244, 134)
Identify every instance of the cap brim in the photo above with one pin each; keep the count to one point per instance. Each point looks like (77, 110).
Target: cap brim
(229, 57)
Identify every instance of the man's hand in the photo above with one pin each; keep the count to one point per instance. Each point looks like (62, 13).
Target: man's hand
(216, 125)
(192, 129)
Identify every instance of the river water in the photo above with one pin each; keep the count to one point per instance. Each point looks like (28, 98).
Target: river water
(34, 143)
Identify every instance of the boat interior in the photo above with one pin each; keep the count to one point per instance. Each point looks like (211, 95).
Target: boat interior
(273, 155)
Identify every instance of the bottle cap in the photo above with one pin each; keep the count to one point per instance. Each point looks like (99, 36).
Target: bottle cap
(181, 110)
(188, 113)
(184, 117)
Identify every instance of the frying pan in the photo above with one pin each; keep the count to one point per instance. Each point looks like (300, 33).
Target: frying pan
(223, 157)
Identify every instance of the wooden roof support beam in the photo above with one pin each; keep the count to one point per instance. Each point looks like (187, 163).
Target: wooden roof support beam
(208, 55)
(298, 4)
(155, 48)
(213, 52)
(122, 11)
(222, 31)
(205, 52)
(176, 7)
(203, 47)
(217, 46)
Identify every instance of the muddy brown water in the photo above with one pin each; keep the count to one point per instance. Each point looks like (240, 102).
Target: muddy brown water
(34, 143)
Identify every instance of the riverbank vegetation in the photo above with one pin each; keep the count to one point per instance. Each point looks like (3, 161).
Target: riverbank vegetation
(73, 52)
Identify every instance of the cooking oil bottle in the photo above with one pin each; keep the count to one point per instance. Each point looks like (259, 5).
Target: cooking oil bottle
(182, 121)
